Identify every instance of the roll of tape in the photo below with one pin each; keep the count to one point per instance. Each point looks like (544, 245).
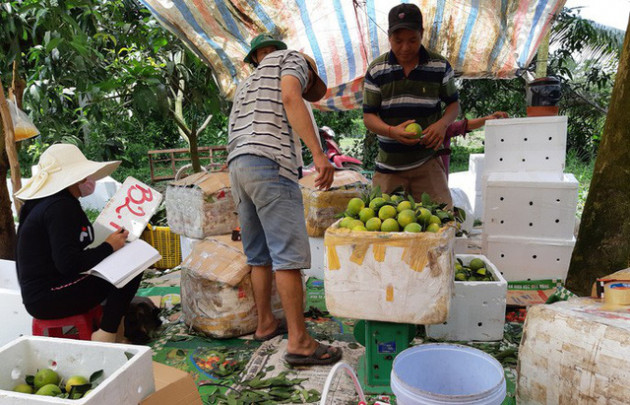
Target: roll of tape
(617, 293)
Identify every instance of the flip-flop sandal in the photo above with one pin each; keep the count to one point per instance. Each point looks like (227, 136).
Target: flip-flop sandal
(316, 358)
(281, 329)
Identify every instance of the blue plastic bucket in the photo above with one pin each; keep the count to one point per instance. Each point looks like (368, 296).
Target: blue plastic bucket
(442, 373)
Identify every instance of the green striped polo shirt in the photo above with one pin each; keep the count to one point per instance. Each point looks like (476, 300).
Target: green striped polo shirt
(396, 99)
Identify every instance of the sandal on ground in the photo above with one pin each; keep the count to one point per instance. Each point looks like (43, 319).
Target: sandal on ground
(317, 358)
(281, 329)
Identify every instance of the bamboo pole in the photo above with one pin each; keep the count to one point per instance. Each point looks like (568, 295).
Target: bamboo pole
(9, 144)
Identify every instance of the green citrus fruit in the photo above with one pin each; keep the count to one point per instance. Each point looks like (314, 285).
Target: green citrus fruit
(45, 376)
(433, 228)
(435, 220)
(377, 203)
(423, 215)
(390, 225)
(359, 228)
(355, 223)
(406, 217)
(354, 206)
(481, 272)
(75, 380)
(365, 214)
(415, 128)
(413, 227)
(23, 388)
(387, 211)
(373, 224)
(396, 199)
(386, 197)
(51, 390)
(345, 222)
(460, 276)
(404, 205)
(476, 264)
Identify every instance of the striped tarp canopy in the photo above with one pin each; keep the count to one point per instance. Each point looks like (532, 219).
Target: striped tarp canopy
(481, 38)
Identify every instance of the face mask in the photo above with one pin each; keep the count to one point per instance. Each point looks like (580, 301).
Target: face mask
(87, 187)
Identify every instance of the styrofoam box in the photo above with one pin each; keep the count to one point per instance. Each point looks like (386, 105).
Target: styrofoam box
(529, 258)
(317, 258)
(187, 244)
(16, 321)
(477, 309)
(530, 205)
(526, 144)
(126, 380)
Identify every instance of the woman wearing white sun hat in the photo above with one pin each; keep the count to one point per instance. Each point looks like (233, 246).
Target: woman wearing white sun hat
(53, 236)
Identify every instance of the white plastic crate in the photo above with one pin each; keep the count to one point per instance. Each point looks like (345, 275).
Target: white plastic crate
(477, 308)
(125, 380)
(529, 258)
(526, 144)
(530, 205)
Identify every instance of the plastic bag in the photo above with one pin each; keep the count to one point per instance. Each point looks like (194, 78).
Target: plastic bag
(23, 127)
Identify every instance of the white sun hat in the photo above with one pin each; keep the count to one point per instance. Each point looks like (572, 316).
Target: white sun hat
(61, 166)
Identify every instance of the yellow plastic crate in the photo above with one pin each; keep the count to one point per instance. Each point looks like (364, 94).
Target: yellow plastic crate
(167, 243)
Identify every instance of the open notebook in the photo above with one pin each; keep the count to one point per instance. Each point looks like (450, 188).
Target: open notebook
(123, 265)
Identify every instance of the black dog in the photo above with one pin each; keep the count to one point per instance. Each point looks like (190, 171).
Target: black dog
(142, 320)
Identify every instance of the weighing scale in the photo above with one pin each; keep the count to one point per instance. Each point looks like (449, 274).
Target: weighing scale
(382, 341)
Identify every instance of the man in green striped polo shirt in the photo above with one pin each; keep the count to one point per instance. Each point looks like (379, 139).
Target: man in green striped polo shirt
(405, 85)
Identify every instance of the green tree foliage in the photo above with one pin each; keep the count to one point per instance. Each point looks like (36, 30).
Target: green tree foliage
(105, 76)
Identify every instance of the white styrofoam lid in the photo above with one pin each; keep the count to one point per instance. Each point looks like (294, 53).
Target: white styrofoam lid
(532, 179)
(527, 120)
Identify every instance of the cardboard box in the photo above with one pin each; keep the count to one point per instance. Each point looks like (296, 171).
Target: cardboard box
(172, 387)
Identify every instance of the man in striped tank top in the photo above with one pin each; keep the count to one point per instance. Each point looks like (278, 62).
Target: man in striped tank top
(405, 85)
(264, 156)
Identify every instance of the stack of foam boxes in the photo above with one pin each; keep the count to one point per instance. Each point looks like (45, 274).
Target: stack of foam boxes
(529, 202)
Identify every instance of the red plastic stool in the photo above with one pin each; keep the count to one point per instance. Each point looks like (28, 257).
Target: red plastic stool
(83, 323)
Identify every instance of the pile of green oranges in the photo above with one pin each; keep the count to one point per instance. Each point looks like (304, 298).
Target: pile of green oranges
(476, 270)
(48, 383)
(385, 213)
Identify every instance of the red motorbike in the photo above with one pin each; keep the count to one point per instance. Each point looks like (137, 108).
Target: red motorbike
(334, 154)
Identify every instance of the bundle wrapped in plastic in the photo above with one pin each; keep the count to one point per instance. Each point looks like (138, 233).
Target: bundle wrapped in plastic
(201, 205)
(322, 207)
(216, 290)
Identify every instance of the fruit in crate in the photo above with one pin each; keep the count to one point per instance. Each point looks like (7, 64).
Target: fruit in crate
(75, 380)
(396, 213)
(476, 270)
(23, 388)
(45, 376)
(51, 390)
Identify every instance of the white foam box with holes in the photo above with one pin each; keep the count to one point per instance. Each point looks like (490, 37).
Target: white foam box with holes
(529, 258)
(574, 352)
(477, 308)
(127, 369)
(526, 144)
(530, 205)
